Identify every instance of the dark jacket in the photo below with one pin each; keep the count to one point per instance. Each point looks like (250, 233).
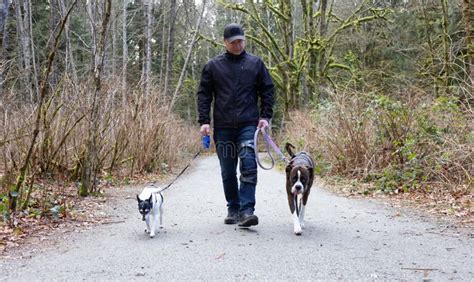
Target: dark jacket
(235, 83)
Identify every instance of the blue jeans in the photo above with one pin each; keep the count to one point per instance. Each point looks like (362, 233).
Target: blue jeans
(233, 144)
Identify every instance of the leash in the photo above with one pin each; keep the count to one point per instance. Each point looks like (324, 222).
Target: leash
(268, 142)
(182, 171)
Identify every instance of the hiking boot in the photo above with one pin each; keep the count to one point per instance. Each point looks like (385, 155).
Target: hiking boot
(232, 217)
(247, 220)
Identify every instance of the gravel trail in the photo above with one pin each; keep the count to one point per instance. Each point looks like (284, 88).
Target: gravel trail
(348, 239)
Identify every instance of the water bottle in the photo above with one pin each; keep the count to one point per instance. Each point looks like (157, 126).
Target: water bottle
(206, 142)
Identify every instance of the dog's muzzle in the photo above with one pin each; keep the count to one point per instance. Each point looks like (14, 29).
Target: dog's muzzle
(143, 216)
(297, 188)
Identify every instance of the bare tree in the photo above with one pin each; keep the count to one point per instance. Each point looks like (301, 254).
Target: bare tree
(148, 27)
(468, 18)
(32, 46)
(446, 46)
(114, 40)
(323, 27)
(70, 63)
(190, 49)
(91, 13)
(90, 165)
(4, 7)
(163, 45)
(124, 51)
(22, 15)
(170, 49)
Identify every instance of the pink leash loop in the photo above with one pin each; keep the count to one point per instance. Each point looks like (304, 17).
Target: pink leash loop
(268, 142)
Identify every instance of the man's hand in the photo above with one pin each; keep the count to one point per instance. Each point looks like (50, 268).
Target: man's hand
(263, 123)
(205, 129)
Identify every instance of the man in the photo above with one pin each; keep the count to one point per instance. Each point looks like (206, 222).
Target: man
(236, 80)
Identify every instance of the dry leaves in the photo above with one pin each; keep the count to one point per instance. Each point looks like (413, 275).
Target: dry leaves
(453, 205)
(27, 226)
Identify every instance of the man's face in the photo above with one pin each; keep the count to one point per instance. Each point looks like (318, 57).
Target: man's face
(235, 47)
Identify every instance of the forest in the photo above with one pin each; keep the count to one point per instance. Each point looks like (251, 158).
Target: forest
(95, 92)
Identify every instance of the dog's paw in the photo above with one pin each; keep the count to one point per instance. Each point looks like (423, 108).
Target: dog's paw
(152, 235)
(298, 230)
(302, 224)
(161, 227)
(146, 231)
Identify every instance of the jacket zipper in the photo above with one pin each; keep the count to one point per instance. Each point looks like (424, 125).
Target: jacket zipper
(240, 68)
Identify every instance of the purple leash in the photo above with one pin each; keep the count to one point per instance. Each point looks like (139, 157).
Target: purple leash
(268, 142)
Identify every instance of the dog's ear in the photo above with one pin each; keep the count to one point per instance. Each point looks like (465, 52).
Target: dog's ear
(138, 199)
(288, 171)
(151, 197)
(311, 176)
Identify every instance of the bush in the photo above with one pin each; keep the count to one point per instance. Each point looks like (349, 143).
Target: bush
(136, 134)
(400, 144)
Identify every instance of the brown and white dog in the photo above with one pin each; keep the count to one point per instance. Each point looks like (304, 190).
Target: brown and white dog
(299, 179)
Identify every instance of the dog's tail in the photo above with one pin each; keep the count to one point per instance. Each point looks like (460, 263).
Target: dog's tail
(288, 148)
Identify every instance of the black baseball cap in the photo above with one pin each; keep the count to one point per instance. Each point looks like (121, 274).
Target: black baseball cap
(233, 31)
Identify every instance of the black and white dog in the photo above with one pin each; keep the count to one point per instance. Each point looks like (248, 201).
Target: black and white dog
(299, 179)
(150, 205)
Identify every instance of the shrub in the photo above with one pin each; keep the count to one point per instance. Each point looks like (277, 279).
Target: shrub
(400, 144)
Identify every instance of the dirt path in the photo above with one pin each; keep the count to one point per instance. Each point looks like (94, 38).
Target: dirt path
(344, 239)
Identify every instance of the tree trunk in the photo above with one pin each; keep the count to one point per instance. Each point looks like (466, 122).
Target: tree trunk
(446, 40)
(307, 11)
(287, 30)
(114, 41)
(147, 64)
(468, 19)
(322, 58)
(163, 49)
(124, 53)
(70, 63)
(430, 47)
(193, 100)
(4, 8)
(90, 166)
(23, 32)
(32, 46)
(170, 50)
(190, 49)
(54, 18)
(90, 7)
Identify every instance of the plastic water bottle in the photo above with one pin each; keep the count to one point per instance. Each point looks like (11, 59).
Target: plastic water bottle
(206, 141)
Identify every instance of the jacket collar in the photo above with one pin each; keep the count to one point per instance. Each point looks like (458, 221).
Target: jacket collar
(235, 57)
